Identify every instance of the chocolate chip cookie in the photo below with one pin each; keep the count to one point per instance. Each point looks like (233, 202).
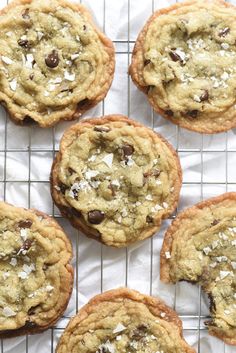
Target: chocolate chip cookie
(115, 179)
(54, 63)
(200, 247)
(35, 271)
(184, 61)
(123, 321)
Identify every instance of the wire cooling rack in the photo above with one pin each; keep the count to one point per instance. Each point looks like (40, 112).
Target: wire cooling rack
(208, 164)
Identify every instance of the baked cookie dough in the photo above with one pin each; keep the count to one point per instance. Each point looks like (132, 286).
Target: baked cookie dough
(200, 247)
(184, 60)
(115, 179)
(54, 63)
(123, 321)
(35, 271)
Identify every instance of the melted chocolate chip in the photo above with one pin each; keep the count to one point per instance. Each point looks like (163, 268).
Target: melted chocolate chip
(102, 129)
(215, 222)
(147, 62)
(149, 219)
(96, 217)
(27, 244)
(52, 60)
(174, 56)
(139, 332)
(193, 113)
(204, 96)
(71, 171)
(84, 27)
(83, 103)
(223, 32)
(23, 43)
(169, 112)
(26, 15)
(212, 303)
(31, 76)
(127, 150)
(25, 223)
(29, 121)
(63, 188)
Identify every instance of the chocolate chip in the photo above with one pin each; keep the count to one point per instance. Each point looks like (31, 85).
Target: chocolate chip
(169, 112)
(31, 76)
(215, 222)
(127, 150)
(204, 96)
(174, 56)
(96, 217)
(23, 43)
(139, 332)
(223, 32)
(25, 223)
(29, 121)
(52, 60)
(71, 171)
(26, 15)
(84, 27)
(147, 62)
(149, 219)
(102, 129)
(193, 113)
(156, 172)
(27, 244)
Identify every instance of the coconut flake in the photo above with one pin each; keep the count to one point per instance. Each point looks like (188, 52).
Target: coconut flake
(68, 76)
(149, 197)
(224, 274)
(233, 264)
(13, 262)
(206, 250)
(6, 60)
(168, 255)
(13, 84)
(49, 288)
(108, 160)
(119, 328)
(24, 233)
(74, 56)
(91, 174)
(8, 312)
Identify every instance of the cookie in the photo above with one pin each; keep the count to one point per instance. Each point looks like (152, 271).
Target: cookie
(115, 179)
(35, 271)
(184, 61)
(124, 320)
(54, 63)
(200, 247)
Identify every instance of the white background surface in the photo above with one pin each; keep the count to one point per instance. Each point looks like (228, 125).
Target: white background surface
(208, 164)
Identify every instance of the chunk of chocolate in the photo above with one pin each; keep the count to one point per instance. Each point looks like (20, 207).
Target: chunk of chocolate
(27, 244)
(25, 14)
(169, 112)
(24, 43)
(27, 223)
(215, 222)
(63, 188)
(96, 216)
(204, 96)
(127, 150)
(147, 62)
(224, 31)
(102, 129)
(174, 56)
(149, 219)
(52, 60)
(193, 113)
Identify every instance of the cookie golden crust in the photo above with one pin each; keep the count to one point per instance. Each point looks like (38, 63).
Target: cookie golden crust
(200, 247)
(36, 275)
(124, 320)
(54, 63)
(115, 179)
(184, 61)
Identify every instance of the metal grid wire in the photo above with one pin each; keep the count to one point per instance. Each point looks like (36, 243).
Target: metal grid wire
(192, 322)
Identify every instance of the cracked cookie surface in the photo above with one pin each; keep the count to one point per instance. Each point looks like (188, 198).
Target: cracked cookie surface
(200, 247)
(115, 179)
(124, 321)
(35, 271)
(184, 60)
(54, 63)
